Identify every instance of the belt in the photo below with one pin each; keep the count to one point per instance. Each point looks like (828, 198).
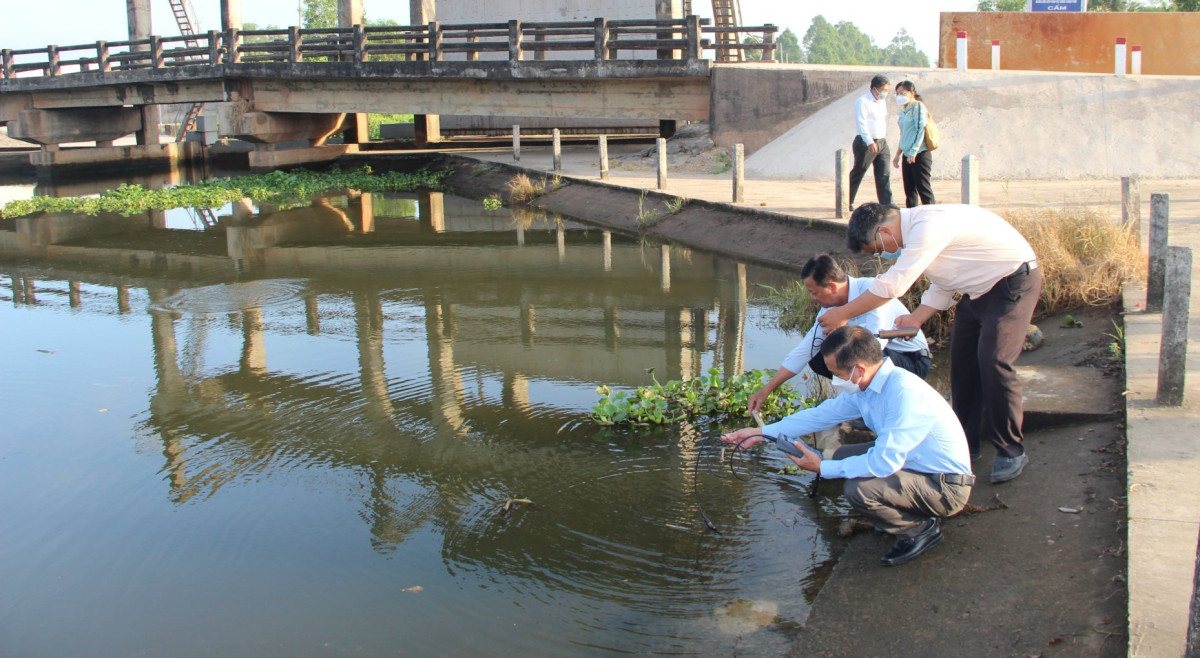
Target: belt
(1026, 267)
(958, 478)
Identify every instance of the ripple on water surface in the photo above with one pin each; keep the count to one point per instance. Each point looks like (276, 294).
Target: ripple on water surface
(232, 297)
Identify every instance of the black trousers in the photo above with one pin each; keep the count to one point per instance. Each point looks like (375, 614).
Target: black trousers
(918, 186)
(880, 161)
(985, 341)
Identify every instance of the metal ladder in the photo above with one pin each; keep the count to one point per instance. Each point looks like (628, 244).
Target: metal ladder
(727, 13)
(183, 17)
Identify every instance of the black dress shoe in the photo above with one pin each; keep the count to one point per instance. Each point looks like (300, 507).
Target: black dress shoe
(907, 548)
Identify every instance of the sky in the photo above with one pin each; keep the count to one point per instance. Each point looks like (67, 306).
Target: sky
(30, 24)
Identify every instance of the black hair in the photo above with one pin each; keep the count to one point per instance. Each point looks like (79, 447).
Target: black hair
(863, 222)
(823, 270)
(907, 85)
(850, 345)
(879, 82)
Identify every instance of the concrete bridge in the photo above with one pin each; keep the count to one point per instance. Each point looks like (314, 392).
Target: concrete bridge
(297, 84)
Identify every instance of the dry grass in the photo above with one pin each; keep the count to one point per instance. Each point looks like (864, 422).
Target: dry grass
(523, 189)
(1085, 258)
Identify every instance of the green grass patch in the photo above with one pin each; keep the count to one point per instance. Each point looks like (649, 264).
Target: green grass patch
(374, 121)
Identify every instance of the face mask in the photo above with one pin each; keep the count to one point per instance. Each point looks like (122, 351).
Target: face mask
(889, 255)
(901, 100)
(845, 386)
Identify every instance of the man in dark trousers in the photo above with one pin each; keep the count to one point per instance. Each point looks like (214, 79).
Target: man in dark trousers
(918, 468)
(973, 252)
(870, 144)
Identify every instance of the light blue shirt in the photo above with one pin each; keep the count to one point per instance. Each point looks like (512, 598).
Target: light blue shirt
(883, 317)
(916, 428)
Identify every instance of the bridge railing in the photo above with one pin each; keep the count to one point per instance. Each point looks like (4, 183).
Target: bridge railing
(601, 39)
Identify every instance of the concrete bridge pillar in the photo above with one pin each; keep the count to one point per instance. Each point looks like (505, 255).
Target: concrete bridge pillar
(427, 127)
(350, 13)
(231, 14)
(138, 13)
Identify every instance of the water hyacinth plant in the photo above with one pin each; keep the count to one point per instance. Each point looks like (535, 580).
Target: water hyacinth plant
(707, 395)
(277, 187)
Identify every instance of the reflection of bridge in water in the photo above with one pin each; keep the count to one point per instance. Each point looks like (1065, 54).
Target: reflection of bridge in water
(500, 306)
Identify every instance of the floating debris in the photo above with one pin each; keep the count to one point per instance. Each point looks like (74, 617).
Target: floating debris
(510, 504)
(1070, 510)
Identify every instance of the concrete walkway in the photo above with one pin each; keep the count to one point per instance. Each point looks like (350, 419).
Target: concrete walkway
(1163, 443)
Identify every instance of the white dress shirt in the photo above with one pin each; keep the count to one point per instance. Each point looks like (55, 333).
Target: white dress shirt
(960, 248)
(870, 117)
(883, 317)
(917, 429)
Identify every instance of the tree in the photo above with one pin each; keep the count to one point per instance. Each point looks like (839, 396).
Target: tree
(903, 51)
(822, 43)
(320, 13)
(789, 50)
(1001, 5)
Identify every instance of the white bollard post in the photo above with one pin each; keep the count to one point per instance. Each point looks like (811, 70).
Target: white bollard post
(556, 139)
(662, 163)
(1135, 61)
(961, 54)
(603, 157)
(516, 142)
(995, 54)
(970, 180)
(1119, 58)
(739, 173)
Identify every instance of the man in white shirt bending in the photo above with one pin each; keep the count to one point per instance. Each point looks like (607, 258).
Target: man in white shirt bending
(870, 144)
(972, 252)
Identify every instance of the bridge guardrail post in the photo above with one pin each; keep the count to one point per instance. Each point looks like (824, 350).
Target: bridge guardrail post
(52, 65)
(360, 43)
(768, 53)
(601, 45)
(693, 39)
(294, 41)
(156, 51)
(233, 46)
(514, 41)
(435, 41)
(214, 47)
(6, 57)
(103, 63)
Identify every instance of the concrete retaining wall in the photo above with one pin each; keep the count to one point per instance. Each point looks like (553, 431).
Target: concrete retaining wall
(1075, 42)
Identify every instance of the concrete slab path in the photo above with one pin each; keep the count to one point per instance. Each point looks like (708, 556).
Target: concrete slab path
(1163, 443)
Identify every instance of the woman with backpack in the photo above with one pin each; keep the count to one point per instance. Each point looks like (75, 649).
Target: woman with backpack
(912, 156)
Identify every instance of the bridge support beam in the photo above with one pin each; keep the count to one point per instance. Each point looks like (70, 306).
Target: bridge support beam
(54, 127)
(279, 127)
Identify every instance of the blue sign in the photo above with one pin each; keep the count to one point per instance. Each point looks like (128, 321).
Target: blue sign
(1058, 5)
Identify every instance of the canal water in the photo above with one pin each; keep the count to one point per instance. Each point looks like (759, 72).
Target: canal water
(293, 432)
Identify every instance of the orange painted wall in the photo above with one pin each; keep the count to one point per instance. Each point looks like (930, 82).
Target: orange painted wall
(1076, 42)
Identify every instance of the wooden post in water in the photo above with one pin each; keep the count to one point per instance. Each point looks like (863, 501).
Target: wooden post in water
(739, 173)
(662, 163)
(1160, 212)
(970, 180)
(603, 156)
(557, 151)
(516, 143)
(1172, 353)
(1131, 207)
(841, 185)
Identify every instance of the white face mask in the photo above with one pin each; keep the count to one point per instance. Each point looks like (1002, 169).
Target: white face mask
(901, 100)
(846, 386)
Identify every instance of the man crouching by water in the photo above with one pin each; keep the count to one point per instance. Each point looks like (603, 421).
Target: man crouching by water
(919, 467)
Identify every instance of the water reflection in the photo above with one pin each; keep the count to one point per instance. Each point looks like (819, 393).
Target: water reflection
(426, 360)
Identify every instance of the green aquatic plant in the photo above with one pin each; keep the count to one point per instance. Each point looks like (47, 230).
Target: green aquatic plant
(707, 395)
(277, 187)
(492, 203)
